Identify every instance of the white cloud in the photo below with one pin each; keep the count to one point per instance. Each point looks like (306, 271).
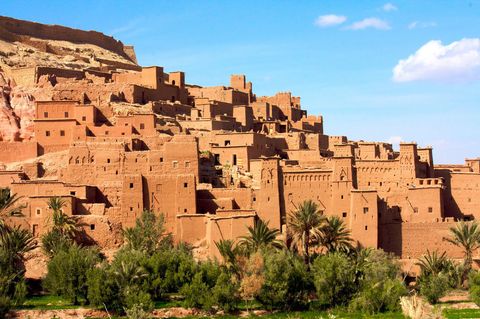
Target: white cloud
(421, 25)
(374, 23)
(458, 61)
(389, 7)
(329, 20)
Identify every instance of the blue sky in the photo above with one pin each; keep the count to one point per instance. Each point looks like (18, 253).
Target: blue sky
(339, 56)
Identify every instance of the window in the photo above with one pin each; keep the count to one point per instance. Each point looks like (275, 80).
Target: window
(84, 118)
(66, 114)
(161, 159)
(341, 197)
(185, 185)
(187, 164)
(365, 210)
(62, 133)
(142, 126)
(430, 209)
(175, 164)
(366, 227)
(234, 159)
(173, 82)
(185, 210)
(415, 210)
(39, 211)
(254, 199)
(108, 160)
(73, 193)
(45, 114)
(47, 133)
(92, 226)
(106, 132)
(344, 214)
(131, 209)
(226, 143)
(131, 185)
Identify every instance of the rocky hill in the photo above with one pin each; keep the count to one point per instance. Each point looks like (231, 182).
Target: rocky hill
(25, 44)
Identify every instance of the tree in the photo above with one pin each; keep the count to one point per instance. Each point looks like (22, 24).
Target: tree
(261, 236)
(229, 253)
(305, 225)
(334, 235)
(67, 272)
(148, 234)
(15, 243)
(62, 223)
(287, 283)
(466, 236)
(432, 263)
(9, 204)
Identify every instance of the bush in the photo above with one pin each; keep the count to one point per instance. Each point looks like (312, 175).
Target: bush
(67, 272)
(225, 293)
(287, 282)
(136, 312)
(379, 296)
(334, 279)
(103, 290)
(197, 294)
(379, 284)
(54, 241)
(169, 270)
(433, 287)
(474, 287)
(148, 234)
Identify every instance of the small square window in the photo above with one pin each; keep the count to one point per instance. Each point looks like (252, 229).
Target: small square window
(187, 164)
(254, 199)
(45, 114)
(131, 209)
(365, 210)
(415, 210)
(161, 159)
(108, 160)
(84, 118)
(92, 226)
(66, 114)
(106, 132)
(62, 133)
(39, 211)
(131, 185)
(366, 227)
(185, 210)
(341, 196)
(47, 133)
(344, 214)
(73, 193)
(142, 126)
(175, 164)
(430, 209)
(185, 185)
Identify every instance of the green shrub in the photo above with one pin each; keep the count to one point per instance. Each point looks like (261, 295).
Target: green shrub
(103, 290)
(169, 270)
(287, 282)
(136, 312)
(379, 296)
(197, 293)
(474, 287)
(433, 287)
(225, 292)
(54, 241)
(379, 283)
(67, 272)
(334, 279)
(148, 234)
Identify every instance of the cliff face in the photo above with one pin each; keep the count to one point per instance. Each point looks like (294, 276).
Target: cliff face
(26, 44)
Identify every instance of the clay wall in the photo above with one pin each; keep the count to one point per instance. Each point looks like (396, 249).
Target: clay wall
(363, 217)
(17, 151)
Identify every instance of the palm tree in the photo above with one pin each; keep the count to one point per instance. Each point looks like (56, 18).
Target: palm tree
(229, 252)
(433, 263)
(260, 236)
(63, 223)
(334, 235)
(129, 274)
(304, 225)
(9, 205)
(15, 243)
(466, 236)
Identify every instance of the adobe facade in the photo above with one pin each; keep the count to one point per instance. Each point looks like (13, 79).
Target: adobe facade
(114, 141)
